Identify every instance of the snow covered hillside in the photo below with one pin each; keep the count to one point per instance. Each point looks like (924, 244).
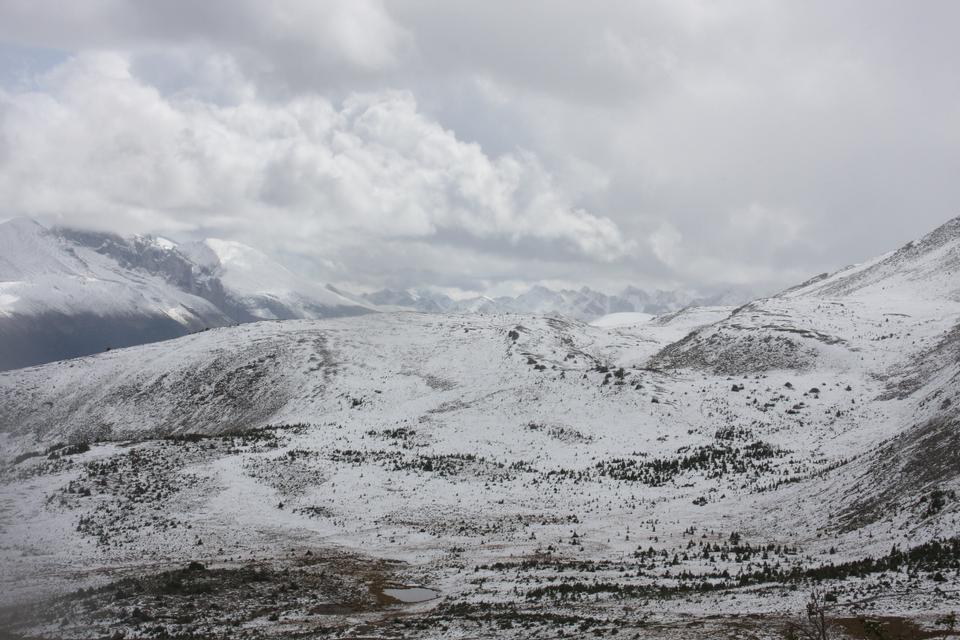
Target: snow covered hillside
(700, 470)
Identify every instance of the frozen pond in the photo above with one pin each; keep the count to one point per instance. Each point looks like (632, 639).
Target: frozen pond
(411, 594)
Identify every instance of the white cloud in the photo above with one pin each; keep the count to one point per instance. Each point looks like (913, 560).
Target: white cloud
(665, 243)
(747, 228)
(767, 135)
(776, 227)
(97, 144)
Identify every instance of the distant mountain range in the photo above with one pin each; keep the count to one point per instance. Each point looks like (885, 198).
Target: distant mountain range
(68, 292)
(582, 304)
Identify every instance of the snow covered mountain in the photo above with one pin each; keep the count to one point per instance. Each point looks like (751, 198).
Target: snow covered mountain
(60, 298)
(817, 322)
(67, 292)
(582, 304)
(928, 269)
(258, 288)
(703, 470)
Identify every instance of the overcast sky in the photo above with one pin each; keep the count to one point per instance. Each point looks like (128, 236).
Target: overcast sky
(484, 146)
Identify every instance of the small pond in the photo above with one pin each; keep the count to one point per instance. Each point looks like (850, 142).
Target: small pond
(411, 594)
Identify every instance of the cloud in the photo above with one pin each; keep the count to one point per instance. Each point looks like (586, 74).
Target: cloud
(98, 145)
(312, 37)
(747, 229)
(665, 243)
(777, 140)
(778, 228)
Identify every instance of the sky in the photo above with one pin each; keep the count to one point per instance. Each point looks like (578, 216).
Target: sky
(485, 146)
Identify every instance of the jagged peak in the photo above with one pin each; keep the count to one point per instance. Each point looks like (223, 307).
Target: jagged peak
(947, 232)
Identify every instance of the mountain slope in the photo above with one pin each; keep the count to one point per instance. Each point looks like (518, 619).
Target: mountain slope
(67, 292)
(59, 299)
(905, 301)
(927, 269)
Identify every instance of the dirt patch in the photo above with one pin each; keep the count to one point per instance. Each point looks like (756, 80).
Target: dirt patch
(887, 628)
(267, 598)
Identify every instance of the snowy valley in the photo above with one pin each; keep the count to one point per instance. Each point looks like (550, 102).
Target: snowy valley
(694, 474)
